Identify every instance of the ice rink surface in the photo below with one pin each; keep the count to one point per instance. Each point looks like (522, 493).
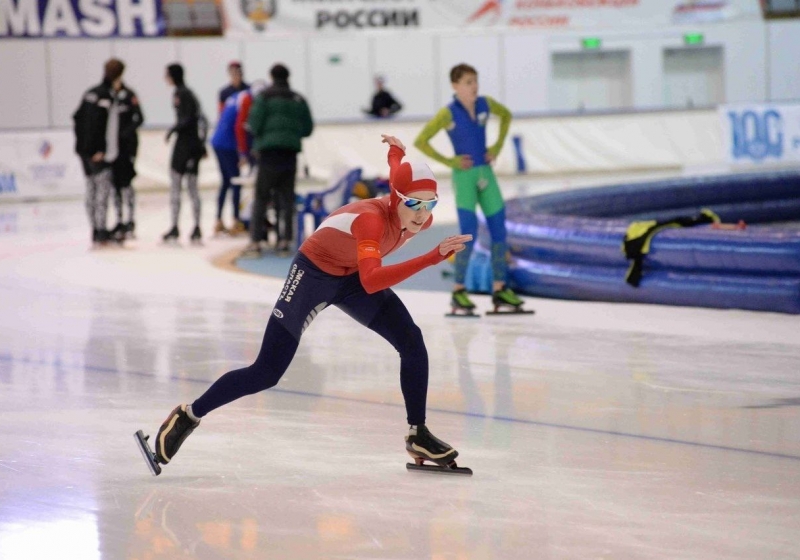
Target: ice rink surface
(594, 430)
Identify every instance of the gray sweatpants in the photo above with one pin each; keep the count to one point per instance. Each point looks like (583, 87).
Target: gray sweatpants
(175, 196)
(98, 188)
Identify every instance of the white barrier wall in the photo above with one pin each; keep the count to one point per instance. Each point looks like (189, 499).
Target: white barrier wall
(575, 144)
(42, 79)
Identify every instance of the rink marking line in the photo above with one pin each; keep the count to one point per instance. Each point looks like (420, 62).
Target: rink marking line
(658, 439)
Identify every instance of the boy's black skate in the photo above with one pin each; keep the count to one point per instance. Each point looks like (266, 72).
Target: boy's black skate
(171, 237)
(130, 230)
(197, 236)
(461, 305)
(506, 302)
(424, 446)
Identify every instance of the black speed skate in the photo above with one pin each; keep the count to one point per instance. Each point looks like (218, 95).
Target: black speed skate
(171, 237)
(118, 234)
(171, 435)
(423, 446)
(197, 236)
(506, 302)
(461, 305)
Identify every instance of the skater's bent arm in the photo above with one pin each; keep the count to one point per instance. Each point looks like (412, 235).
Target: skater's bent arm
(245, 102)
(187, 112)
(505, 122)
(368, 229)
(441, 121)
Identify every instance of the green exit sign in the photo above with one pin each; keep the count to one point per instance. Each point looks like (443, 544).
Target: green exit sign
(693, 39)
(590, 43)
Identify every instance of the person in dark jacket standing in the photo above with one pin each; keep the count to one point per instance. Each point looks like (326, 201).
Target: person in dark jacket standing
(191, 128)
(123, 171)
(97, 143)
(279, 120)
(383, 103)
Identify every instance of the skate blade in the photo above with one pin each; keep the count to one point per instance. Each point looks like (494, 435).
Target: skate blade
(436, 469)
(147, 453)
(512, 312)
(464, 313)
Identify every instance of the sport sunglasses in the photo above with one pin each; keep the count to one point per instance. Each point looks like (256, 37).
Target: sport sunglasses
(417, 204)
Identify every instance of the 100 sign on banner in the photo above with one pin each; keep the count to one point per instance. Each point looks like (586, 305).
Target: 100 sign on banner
(766, 133)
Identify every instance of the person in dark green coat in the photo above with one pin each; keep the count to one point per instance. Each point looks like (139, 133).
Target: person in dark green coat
(279, 120)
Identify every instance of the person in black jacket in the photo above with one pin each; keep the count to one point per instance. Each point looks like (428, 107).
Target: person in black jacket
(191, 129)
(97, 143)
(123, 171)
(383, 103)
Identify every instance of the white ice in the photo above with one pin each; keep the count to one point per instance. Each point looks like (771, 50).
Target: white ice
(594, 430)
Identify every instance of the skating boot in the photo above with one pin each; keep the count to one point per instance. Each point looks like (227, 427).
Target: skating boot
(252, 251)
(171, 435)
(220, 229)
(197, 236)
(461, 305)
(101, 238)
(238, 228)
(171, 237)
(130, 230)
(423, 446)
(118, 233)
(282, 249)
(505, 301)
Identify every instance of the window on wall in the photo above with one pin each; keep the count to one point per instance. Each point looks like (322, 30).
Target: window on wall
(781, 8)
(192, 17)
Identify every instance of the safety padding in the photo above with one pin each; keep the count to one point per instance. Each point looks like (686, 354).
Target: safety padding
(568, 245)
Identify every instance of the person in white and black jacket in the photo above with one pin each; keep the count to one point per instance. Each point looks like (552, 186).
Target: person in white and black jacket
(96, 124)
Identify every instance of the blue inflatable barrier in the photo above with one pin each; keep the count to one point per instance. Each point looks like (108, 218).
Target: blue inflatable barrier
(569, 245)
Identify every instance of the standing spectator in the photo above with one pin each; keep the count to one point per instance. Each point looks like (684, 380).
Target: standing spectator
(191, 128)
(279, 120)
(383, 103)
(123, 170)
(231, 143)
(237, 83)
(97, 143)
(474, 181)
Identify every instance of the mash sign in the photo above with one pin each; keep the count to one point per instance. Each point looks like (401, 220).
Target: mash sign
(81, 18)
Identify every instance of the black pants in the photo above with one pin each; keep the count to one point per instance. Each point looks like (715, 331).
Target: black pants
(306, 293)
(274, 184)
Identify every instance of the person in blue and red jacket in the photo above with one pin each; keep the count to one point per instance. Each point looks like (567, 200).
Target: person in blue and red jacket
(341, 265)
(232, 143)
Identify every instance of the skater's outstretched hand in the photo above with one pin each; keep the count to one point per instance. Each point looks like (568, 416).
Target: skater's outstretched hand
(454, 244)
(392, 141)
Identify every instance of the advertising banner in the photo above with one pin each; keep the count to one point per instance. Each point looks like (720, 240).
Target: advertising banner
(265, 16)
(761, 133)
(81, 18)
(39, 165)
